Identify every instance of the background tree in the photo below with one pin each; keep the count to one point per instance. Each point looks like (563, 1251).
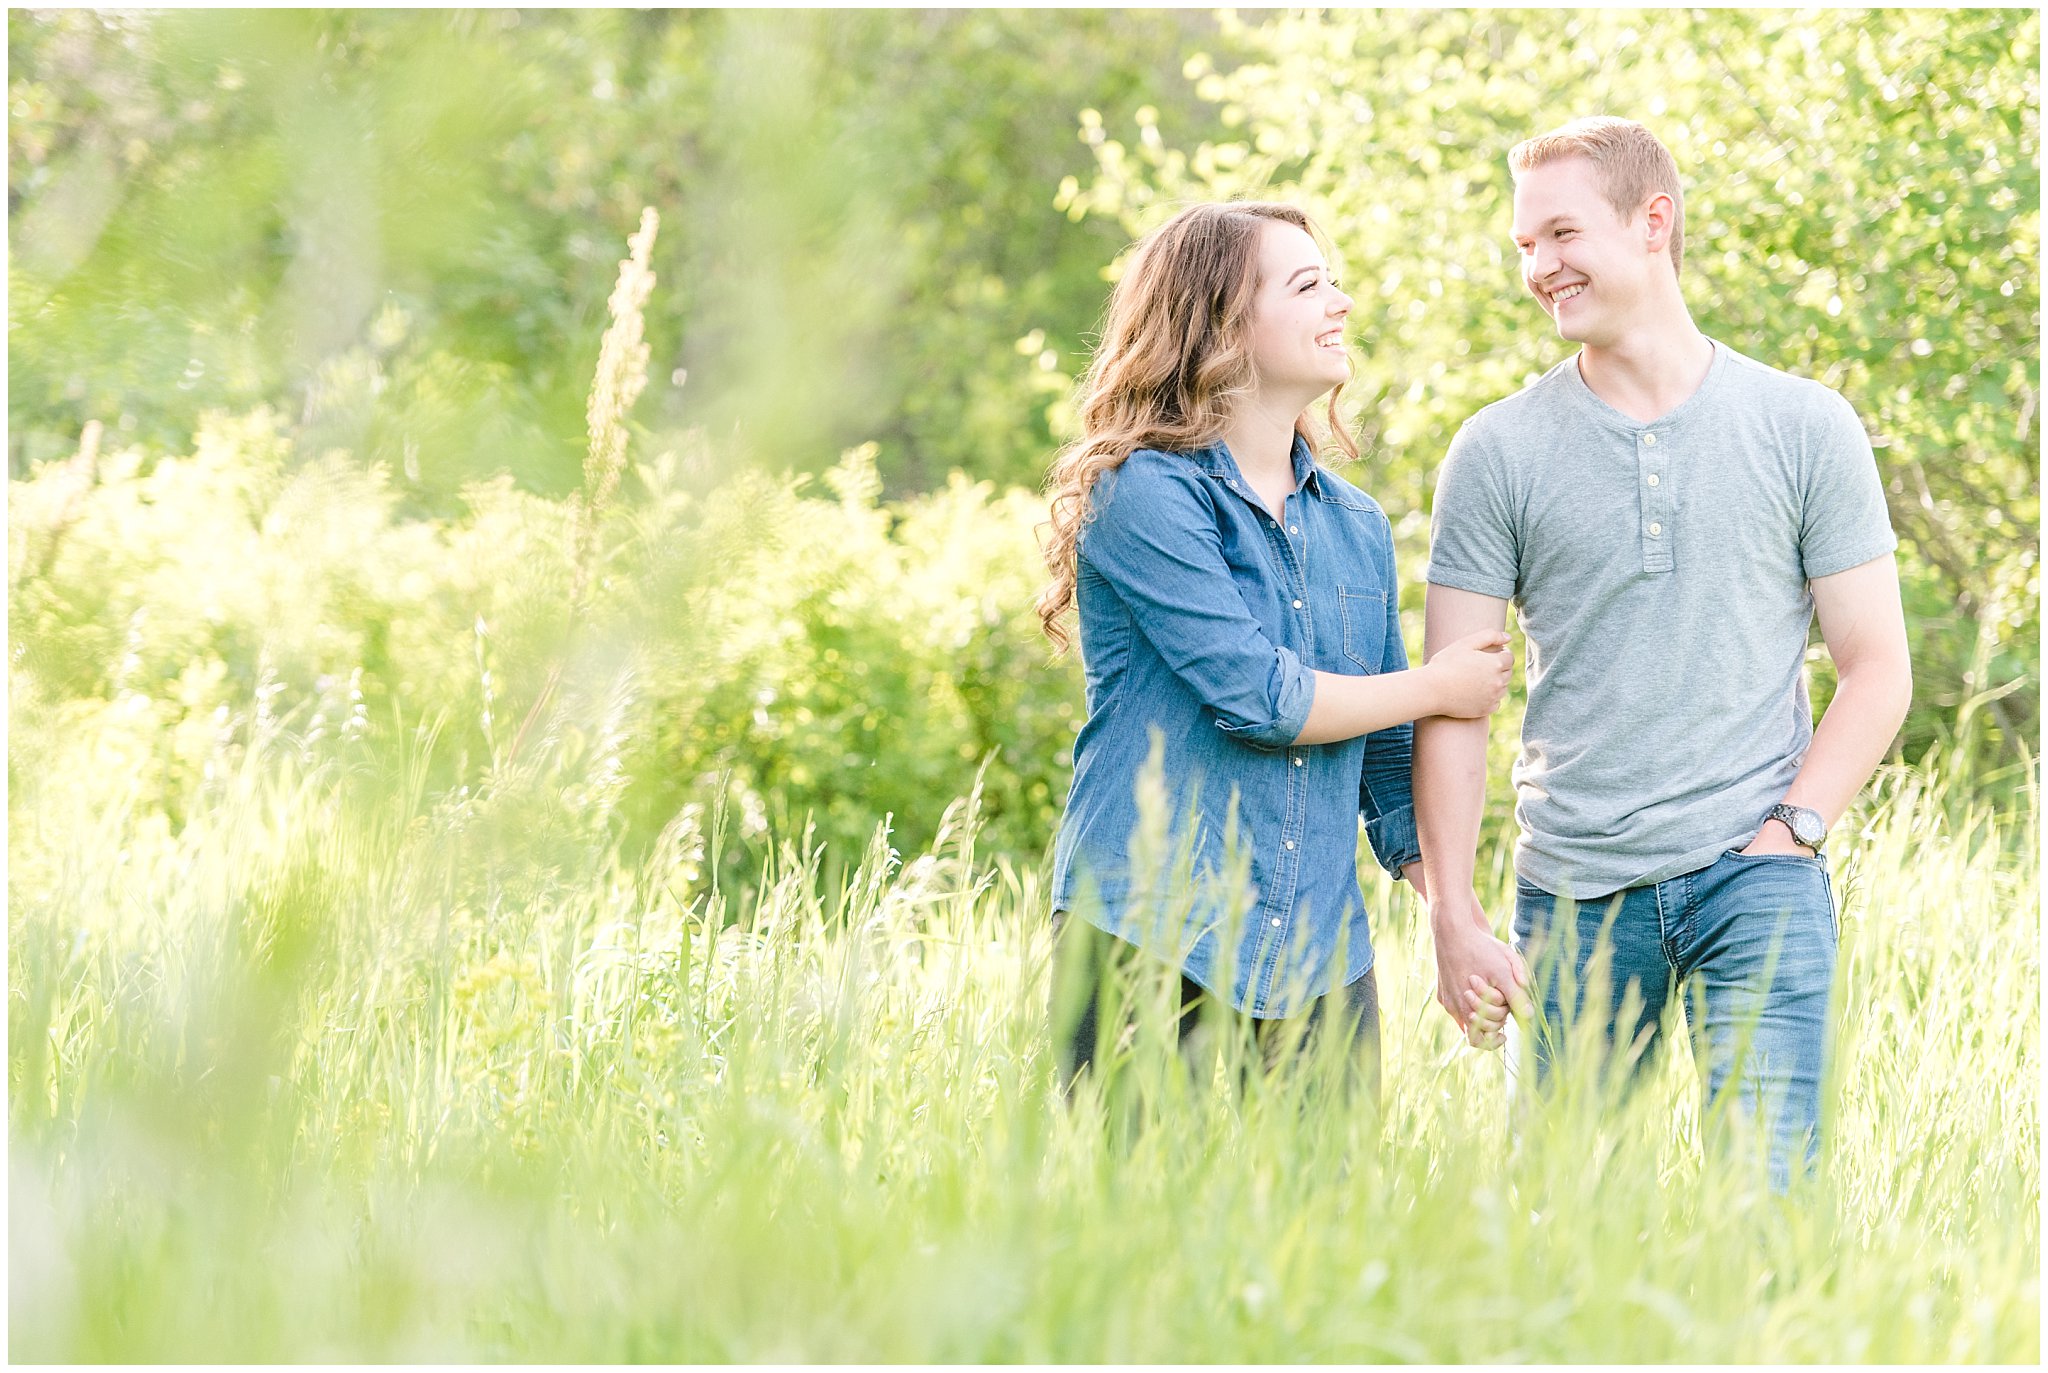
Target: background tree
(404, 223)
(381, 242)
(1862, 207)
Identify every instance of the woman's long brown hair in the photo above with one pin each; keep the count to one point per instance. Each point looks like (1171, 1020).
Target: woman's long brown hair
(1173, 360)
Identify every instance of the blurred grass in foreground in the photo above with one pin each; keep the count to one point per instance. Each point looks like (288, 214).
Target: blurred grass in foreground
(275, 1097)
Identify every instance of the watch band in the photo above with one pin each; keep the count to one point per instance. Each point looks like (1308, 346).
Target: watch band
(1806, 825)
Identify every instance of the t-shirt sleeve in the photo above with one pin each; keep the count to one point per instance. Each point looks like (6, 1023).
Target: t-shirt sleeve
(1843, 519)
(1472, 541)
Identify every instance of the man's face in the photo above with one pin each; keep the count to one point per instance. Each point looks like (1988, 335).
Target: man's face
(1587, 267)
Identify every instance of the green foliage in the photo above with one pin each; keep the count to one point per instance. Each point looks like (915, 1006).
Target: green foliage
(807, 655)
(566, 674)
(1862, 206)
(393, 232)
(398, 227)
(853, 662)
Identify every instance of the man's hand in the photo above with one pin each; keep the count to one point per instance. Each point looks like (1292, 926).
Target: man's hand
(1479, 979)
(1776, 837)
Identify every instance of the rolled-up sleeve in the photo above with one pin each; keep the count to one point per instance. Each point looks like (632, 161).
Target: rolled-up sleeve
(1153, 537)
(1392, 836)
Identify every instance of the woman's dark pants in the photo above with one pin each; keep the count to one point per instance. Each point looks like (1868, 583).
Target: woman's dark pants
(1083, 955)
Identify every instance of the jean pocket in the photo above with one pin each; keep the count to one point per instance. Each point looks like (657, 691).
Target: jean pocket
(1797, 867)
(1810, 859)
(1364, 614)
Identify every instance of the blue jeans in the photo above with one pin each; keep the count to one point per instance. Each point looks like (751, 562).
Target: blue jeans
(1756, 932)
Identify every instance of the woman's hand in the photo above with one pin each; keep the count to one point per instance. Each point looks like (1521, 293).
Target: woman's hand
(1486, 1012)
(1470, 675)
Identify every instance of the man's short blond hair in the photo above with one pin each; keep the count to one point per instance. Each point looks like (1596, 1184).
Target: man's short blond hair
(1631, 164)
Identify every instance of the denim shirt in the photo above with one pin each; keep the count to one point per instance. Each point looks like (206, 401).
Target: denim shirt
(1203, 622)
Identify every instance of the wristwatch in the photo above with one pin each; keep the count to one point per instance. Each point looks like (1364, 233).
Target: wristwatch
(1806, 825)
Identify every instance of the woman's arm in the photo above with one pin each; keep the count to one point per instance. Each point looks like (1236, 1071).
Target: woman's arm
(1153, 537)
(1465, 681)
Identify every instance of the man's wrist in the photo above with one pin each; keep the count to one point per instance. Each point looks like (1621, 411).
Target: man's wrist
(1807, 827)
(1788, 836)
(1456, 910)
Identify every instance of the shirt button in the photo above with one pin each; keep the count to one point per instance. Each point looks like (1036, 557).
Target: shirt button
(1655, 530)
(1289, 844)
(1276, 922)
(1649, 440)
(1653, 479)
(1297, 605)
(1294, 529)
(1297, 760)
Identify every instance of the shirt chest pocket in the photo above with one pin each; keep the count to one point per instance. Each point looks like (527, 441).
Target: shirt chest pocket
(1363, 614)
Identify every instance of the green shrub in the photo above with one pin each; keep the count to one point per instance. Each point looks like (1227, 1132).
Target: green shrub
(803, 655)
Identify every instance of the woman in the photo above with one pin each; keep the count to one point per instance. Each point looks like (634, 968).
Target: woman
(1239, 623)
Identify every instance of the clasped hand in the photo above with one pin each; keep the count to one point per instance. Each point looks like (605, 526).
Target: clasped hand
(1480, 979)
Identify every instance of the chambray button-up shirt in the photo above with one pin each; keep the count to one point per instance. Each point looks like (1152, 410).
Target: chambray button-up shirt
(1203, 622)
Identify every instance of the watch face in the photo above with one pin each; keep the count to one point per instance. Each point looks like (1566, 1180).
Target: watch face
(1806, 825)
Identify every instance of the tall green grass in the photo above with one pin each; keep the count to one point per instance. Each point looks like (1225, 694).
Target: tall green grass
(330, 1072)
(338, 1036)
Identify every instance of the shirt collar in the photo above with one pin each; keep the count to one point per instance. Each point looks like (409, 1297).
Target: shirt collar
(1219, 462)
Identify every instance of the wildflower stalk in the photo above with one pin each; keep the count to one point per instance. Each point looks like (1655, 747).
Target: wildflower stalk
(621, 377)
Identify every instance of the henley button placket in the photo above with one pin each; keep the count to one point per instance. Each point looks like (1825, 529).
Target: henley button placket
(1656, 505)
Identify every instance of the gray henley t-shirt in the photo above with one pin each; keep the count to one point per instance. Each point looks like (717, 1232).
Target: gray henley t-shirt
(1660, 575)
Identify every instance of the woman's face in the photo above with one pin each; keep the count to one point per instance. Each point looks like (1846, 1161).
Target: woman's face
(1297, 329)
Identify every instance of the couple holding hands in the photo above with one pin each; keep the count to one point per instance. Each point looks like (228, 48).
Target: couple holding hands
(1668, 518)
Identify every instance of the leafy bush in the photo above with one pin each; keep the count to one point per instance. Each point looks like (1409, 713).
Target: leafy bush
(805, 654)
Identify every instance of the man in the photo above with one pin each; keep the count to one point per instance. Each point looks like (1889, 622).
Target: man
(1667, 517)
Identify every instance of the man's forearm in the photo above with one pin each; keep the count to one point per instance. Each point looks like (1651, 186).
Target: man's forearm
(1864, 626)
(1449, 781)
(1449, 787)
(1853, 737)
(1450, 794)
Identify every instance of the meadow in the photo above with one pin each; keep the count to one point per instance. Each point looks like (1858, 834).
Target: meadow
(277, 1096)
(359, 1010)
(512, 864)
